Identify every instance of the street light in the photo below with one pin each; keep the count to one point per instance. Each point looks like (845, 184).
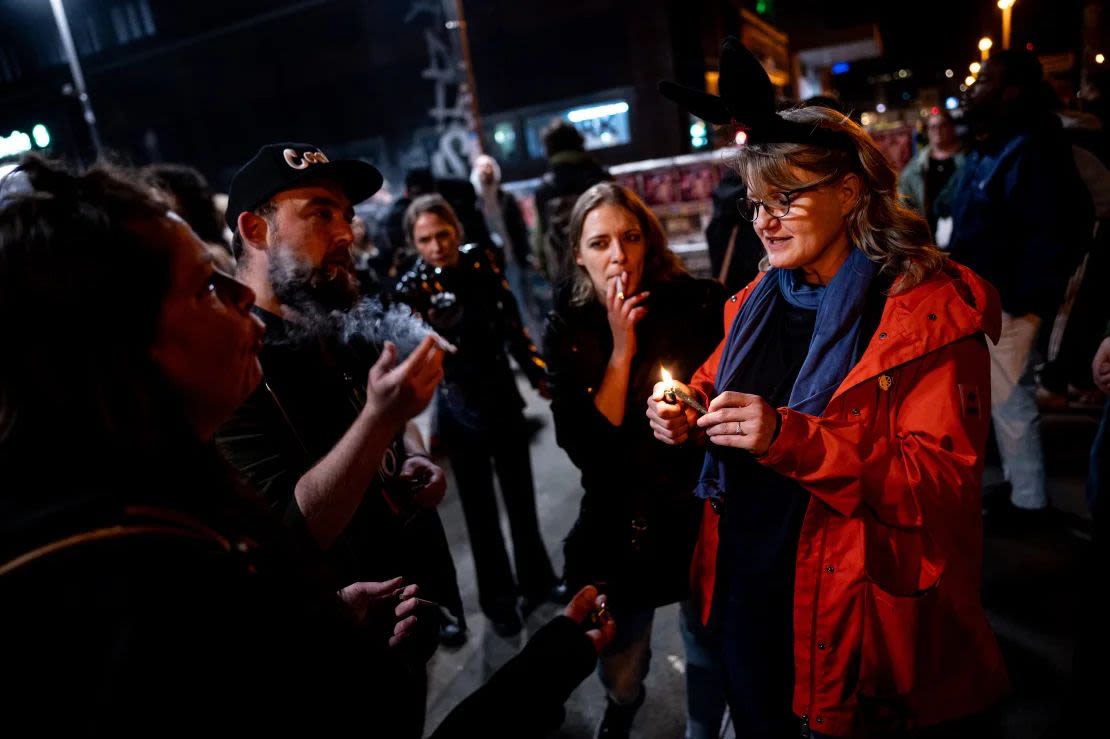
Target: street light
(1006, 6)
(974, 67)
(985, 48)
(75, 70)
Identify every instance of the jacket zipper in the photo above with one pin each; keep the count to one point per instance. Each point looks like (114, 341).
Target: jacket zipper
(813, 635)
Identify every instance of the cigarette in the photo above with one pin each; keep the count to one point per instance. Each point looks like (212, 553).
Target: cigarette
(620, 288)
(690, 401)
(443, 343)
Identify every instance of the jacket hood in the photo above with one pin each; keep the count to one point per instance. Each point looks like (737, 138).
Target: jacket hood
(950, 306)
(969, 303)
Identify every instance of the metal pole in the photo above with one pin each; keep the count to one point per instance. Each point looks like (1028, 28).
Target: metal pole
(1006, 27)
(459, 24)
(75, 70)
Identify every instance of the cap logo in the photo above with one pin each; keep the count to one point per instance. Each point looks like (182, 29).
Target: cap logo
(302, 161)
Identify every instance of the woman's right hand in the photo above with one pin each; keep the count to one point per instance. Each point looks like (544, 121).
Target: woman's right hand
(601, 628)
(624, 313)
(671, 422)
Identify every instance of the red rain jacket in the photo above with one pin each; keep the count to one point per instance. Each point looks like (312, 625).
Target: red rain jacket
(888, 624)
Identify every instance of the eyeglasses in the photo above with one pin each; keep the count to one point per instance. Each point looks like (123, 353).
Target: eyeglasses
(777, 204)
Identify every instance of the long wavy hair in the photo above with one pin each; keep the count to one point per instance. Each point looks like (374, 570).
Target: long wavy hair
(660, 263)
(890, 234)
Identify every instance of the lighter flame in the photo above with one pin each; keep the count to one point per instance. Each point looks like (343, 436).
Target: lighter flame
(667, 377)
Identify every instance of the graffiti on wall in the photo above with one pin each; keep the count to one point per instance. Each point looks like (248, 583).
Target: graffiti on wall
(444, 146)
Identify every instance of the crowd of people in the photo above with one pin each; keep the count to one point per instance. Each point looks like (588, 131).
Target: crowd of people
(216, 509)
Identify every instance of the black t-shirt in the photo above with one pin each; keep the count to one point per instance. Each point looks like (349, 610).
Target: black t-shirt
(937, 174)
(311, 394)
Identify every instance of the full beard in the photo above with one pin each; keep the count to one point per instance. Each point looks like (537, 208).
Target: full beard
(319, 295)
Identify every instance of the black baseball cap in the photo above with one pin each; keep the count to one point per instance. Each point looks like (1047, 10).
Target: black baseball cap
(283, 166)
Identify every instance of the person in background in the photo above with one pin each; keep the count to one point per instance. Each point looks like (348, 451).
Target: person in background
(507, 231)
(630, 309)
(188, 194)
(932, 167)
(1021, 219)
(840, 555)
(571, 171)
(460, 291)
(417, 182)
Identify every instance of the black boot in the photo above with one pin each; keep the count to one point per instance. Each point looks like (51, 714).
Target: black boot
(617, 722)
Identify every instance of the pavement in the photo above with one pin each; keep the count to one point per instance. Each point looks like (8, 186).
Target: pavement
(1032, 589)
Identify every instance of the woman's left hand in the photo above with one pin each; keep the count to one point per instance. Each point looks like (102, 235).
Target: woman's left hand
(742, 421)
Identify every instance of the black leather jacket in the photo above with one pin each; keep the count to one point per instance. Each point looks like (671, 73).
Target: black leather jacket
(471, 306)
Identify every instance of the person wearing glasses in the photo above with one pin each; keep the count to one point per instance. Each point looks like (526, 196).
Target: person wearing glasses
(840, 555)
(925, 176)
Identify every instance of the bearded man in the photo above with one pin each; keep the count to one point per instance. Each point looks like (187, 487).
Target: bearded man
(327, 437)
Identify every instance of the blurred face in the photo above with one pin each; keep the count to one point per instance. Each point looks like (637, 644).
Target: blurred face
(942, 134)
(985, 97)
(612, 245)
(436, 240)
(812, 236)
(309, 246)
(485, 171)
(208, 340)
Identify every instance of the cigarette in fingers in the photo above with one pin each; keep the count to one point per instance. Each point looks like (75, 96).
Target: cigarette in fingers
(691, 401)
(620, 288)
(443, 343)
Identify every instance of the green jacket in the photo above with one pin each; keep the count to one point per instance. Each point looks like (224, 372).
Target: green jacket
(911, 183)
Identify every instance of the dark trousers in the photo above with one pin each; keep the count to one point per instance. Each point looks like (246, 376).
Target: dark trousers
(757, 655)
(474, 454)
(428, 562)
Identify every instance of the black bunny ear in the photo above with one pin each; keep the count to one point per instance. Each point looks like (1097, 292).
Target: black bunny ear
(745, 88)
(746, 95)
(748, 99)
(705, 106)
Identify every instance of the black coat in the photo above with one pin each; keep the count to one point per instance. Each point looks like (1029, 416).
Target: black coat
(471, 306)
(638, 520)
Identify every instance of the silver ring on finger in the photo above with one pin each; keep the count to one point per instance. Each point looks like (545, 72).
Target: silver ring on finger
(739, 429)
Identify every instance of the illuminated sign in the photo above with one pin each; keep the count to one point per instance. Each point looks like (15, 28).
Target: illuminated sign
(19, 142)
(596, 112)
(602, 124)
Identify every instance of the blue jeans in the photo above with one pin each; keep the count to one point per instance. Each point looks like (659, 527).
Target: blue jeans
(705, 687)
(626, 661)
(1017, 422)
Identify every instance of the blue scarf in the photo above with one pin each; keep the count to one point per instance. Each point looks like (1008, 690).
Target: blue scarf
(833, 349)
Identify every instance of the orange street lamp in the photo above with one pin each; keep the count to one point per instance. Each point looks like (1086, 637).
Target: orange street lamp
(1006, 6)
(985, 48)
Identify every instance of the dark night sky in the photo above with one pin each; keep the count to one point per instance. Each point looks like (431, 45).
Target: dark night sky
(939, 33)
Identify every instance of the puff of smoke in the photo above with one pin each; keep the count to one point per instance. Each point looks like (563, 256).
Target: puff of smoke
(371, 321)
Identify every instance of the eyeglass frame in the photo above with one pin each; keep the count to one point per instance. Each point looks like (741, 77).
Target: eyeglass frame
(789, 195)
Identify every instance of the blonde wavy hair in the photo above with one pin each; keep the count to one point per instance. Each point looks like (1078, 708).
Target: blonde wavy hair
(660, 263)
(887, 232)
